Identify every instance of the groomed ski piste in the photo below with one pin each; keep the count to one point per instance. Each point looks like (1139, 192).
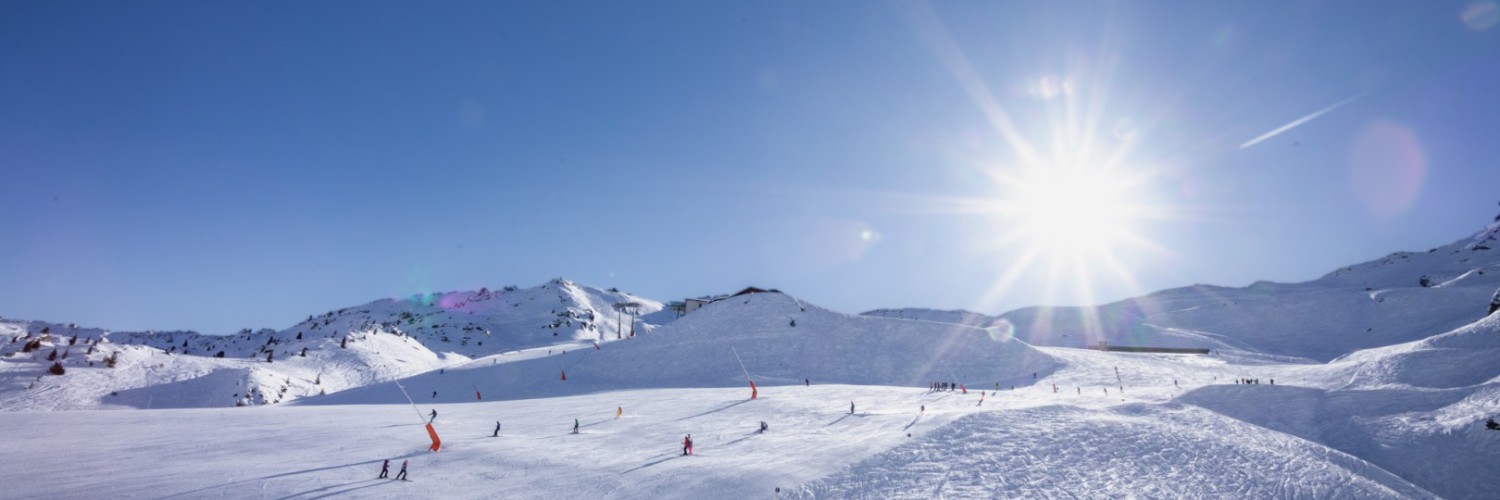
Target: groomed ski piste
(1329, 419)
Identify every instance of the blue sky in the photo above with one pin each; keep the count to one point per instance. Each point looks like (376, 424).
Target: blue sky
(214, 165)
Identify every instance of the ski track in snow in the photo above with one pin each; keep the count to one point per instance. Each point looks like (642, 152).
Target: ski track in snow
(1381, 389)
(1153, 452)
(1157, 440)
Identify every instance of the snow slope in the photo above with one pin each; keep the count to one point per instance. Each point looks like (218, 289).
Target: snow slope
(1368, 305)
(957, 317)
(899, 443)
(1400, 298)
(1374, 382)
(700, 350)
(148, 377)
(484, 322)
(1117, 424)
(379, 341)
(1146, 451)
(1415, 408)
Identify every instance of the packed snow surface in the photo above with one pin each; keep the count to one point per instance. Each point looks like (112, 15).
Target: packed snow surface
(1182, 427)
(1374, 381)
(1402, 297)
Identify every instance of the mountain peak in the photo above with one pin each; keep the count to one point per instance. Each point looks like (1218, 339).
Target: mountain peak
(1490, 233)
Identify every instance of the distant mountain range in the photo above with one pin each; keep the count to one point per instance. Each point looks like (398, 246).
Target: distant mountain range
(329, 352)
(1401, 298)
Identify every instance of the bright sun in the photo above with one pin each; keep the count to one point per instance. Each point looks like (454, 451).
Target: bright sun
(1073, 222)
(1071, 211)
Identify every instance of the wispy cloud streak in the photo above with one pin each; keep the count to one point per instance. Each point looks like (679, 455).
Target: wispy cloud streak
(1302, 120)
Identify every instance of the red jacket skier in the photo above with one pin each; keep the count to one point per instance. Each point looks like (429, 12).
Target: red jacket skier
(687, 445)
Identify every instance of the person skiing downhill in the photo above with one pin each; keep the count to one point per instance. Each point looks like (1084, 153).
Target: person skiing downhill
(763, 426)
(402, 475)
(687, 445)
(385, 469)
(619, 410)
(497, 429)
(851, 407)
(575, 426)
(433, 418)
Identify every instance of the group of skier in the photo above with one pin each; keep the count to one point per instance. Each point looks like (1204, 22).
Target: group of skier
(687, 441)
(944, 386)
(385, 470)
(1248, 381)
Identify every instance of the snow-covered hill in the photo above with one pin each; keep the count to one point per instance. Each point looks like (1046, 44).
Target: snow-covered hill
(1131, 450)
(1371, 382)
(1182, 427)
(1400, 298)
(483, 322)
(956, 317)
(331, 352)
(1415, 409)
(776, 338)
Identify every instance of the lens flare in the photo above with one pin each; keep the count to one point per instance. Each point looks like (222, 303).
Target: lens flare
(1386, 168)
(1480, 16)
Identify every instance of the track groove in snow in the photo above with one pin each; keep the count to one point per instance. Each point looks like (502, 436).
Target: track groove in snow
(1152, 452)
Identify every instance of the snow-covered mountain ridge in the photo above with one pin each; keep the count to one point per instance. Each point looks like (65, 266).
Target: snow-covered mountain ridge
(1263, 417)
(772, 338)
(329, 352)
(1402, 297)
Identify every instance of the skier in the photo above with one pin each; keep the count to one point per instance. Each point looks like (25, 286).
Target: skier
(807, 382)
(763, 426)
(433, 418)
(575, 426)
(687, 445)
(385, 469)
(923, 410)
(497, 429)
(851, 407)
(619, 410)
(402, 475)
(434, 394)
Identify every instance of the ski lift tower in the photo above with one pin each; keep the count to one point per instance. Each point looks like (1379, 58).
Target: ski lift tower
(626, 307)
